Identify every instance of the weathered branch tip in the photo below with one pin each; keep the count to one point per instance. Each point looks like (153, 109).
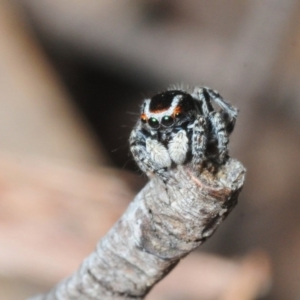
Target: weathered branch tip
(162, 225)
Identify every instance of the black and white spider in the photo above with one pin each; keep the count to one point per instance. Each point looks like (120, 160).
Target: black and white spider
(177, 127)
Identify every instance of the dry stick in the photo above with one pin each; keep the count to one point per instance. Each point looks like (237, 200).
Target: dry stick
(162, 225)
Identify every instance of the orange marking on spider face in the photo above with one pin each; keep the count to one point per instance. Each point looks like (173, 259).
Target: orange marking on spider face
(143, 117)
(177, 110)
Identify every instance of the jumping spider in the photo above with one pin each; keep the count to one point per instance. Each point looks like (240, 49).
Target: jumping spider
(177, 127)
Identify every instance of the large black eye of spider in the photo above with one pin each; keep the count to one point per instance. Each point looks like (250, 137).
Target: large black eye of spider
(153, 123)
(167, 121)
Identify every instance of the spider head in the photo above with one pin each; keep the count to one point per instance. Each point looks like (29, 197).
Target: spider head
(166, 110)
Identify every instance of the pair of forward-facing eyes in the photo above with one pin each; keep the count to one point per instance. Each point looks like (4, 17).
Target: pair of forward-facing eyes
(166, 121)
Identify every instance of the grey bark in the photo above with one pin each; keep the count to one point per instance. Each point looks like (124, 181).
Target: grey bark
(162, 225)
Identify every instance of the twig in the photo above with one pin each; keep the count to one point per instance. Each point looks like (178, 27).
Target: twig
(162, 225)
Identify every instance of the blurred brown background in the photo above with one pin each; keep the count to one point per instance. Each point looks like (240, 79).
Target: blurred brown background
(72, 76)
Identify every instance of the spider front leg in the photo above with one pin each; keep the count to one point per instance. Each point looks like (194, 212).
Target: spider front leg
(199, 143)
(220, 132)
(150, 155)
(222, 122)
(228, 112)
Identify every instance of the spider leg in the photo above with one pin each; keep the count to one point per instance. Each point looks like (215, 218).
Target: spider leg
(203, 96)
(150, 155)
(219, 128)
(221, 123)
(199, 142)
(228, 113)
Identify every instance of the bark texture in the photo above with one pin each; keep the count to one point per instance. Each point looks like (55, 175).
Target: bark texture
(162, 225)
